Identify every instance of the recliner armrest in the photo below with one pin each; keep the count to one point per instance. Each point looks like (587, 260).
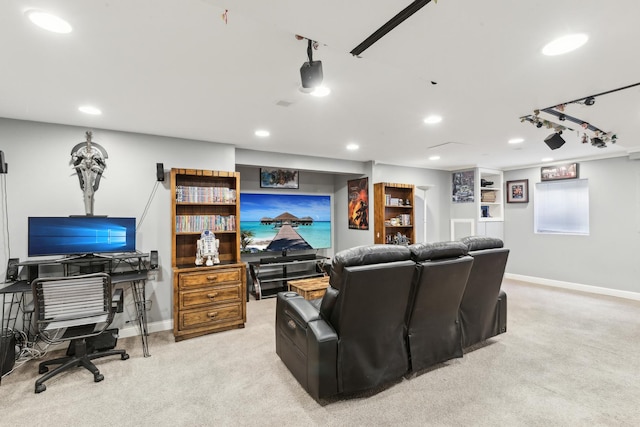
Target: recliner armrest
(299, 309)
(322, 356)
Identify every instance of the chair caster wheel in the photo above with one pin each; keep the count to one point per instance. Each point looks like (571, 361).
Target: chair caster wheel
(124, 356)
(98, 377)
(40, 388)
(43, 370)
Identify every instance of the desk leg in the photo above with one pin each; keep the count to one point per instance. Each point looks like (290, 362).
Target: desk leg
(140, 300)
(2, 340)
(8, 321)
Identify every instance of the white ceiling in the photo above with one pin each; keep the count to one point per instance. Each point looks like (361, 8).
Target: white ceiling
(175, 68)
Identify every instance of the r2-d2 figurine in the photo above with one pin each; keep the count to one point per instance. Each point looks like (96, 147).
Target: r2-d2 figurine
(207, 247)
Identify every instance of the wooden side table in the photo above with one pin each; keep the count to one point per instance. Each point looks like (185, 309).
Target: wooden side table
(310, 288)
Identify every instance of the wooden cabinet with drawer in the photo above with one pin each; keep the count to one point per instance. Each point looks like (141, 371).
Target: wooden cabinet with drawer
(208, 299)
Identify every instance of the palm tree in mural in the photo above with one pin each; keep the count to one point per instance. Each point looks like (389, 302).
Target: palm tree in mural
(246, 238)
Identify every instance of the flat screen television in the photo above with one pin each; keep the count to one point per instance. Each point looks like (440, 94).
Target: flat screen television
(80, 235)
(285, 222)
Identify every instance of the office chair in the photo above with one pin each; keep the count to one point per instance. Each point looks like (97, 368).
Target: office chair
(73, 308)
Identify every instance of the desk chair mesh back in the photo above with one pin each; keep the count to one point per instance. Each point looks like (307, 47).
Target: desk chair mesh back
(72, 309)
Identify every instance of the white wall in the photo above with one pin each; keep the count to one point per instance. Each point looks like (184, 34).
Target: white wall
(41, 182)
(608, 257)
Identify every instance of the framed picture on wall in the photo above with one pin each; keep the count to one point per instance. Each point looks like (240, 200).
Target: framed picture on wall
(279, 178)
(518, 191)
(358, 190)
(563, 171)
(462, 186)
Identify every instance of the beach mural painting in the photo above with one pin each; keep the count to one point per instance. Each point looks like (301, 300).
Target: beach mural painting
(284, 222)
(358, 190)
(279, 178)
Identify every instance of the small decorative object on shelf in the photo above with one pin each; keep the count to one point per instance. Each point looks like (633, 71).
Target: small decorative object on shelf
(207, 246)
(400, 239)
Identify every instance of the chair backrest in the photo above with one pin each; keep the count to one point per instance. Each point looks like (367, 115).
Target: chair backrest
(478, 310)
(370, 287)
(72, 303)
(434, 333)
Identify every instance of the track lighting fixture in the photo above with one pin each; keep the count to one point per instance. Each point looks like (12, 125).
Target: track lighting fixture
(596, 136)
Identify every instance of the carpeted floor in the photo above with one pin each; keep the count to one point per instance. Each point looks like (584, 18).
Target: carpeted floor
(568, 359)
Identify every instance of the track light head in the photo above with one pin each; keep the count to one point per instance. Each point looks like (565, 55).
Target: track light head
(554, 141)
(538, 124)
(590, 101)
(562, 117)
(597, 142)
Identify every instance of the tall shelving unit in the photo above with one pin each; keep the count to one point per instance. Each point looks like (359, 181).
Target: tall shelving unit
(393, 212)
(206, 299)
(491, 206)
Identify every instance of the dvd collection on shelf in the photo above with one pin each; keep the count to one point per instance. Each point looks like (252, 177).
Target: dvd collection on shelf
(187, 194)
(198, 223)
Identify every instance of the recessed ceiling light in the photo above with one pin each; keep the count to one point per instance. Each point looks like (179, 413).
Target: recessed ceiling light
(547, 159)
(516, 140)
(88, 109)
(48, 21)
(352, 146)
(434, 158)
(433, 119)
(262, 133)
(564, 44)
(321, 91)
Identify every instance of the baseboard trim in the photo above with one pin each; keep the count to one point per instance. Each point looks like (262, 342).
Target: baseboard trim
(575, 286)
(132, 330)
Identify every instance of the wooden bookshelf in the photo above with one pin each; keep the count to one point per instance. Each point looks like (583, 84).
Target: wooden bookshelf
(206, 299)
(393, 212)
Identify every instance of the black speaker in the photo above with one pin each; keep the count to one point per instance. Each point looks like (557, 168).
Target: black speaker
(8, 347)
(4, 168)
(12, 269)
(159, 171)
(311, 74)
(153, 260)
(554, 141)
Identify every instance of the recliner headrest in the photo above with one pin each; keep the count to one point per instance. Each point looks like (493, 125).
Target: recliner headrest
(477, 243)
(370, 254)
(440, 250)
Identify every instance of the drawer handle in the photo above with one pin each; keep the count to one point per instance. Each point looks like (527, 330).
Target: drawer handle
(213, 314)
(212, 295)
(212, 278)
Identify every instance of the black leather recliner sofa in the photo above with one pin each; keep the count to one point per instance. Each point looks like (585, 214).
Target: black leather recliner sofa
(483, 310)
(391, 310)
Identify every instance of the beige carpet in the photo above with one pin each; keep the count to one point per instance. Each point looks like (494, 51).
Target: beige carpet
(567, 359)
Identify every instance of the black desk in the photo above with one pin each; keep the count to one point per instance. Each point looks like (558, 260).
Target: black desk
(135, 274)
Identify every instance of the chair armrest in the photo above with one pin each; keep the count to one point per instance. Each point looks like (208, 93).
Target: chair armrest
(298, 308)
(322, 359)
